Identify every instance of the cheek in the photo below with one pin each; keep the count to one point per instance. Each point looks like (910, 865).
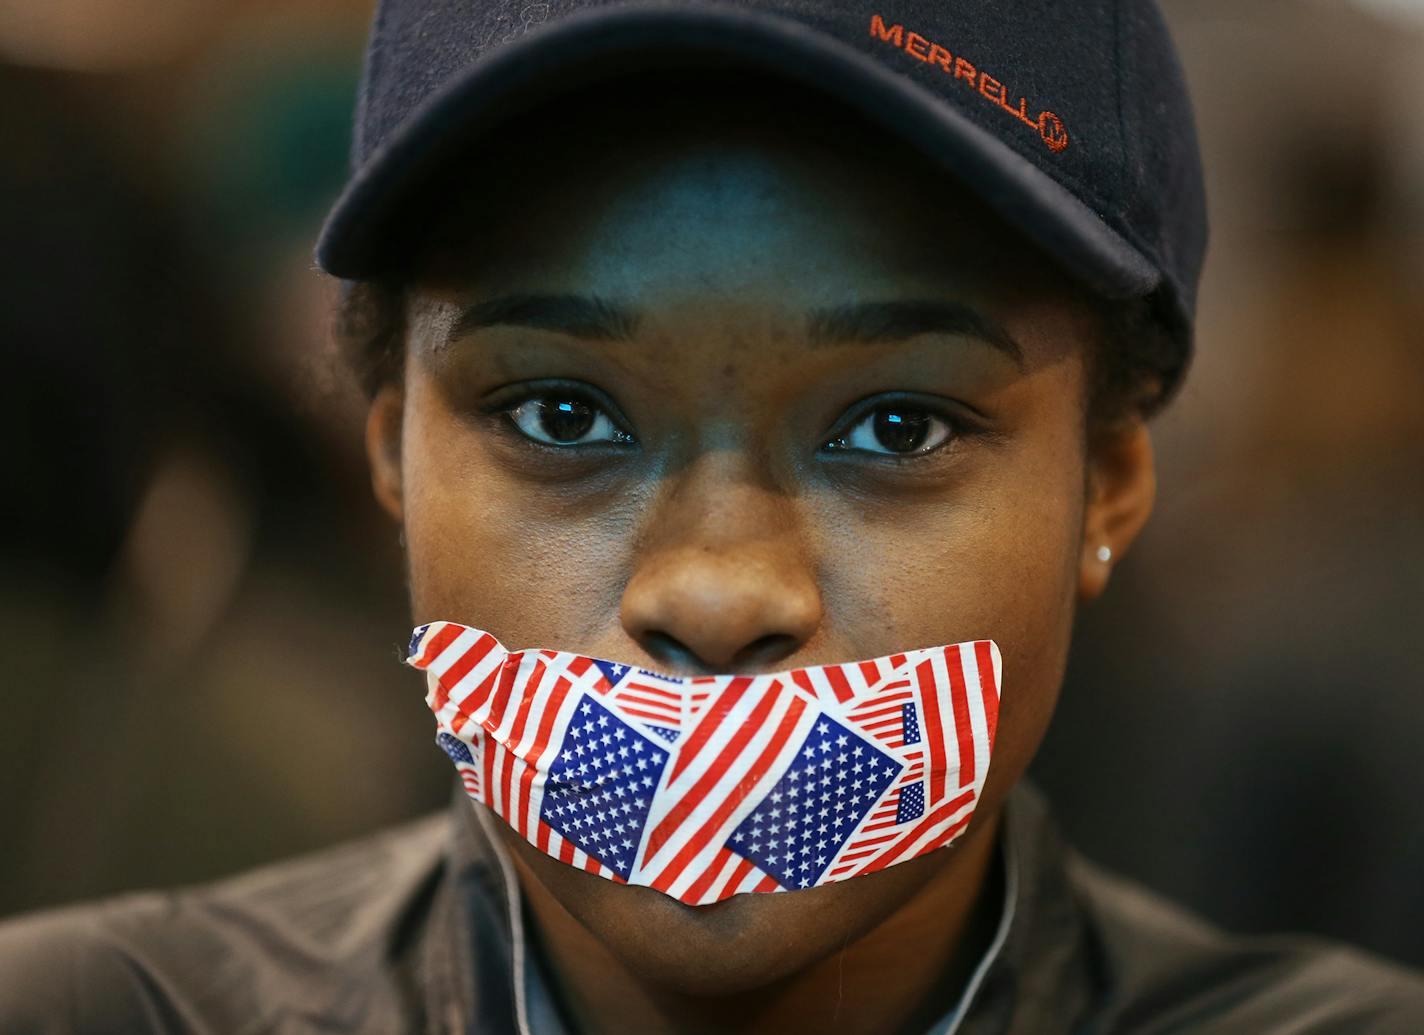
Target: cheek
(997, 559)
(487, 550)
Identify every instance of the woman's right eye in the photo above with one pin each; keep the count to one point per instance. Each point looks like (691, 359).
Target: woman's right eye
(565, 419)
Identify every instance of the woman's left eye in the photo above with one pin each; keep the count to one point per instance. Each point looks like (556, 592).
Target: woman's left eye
(565, 420)
(896, 430)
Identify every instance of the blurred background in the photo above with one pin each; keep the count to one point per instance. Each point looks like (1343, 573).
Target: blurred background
(203, 610)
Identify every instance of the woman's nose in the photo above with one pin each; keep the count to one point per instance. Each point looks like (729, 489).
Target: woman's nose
(723, 582)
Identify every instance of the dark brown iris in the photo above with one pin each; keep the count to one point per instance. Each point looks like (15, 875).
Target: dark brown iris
(901, 431)
(566, 420)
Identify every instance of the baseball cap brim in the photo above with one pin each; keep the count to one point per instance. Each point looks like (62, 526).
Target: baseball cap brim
(357, 241)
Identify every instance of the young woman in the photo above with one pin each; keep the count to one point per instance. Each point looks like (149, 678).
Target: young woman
(721, 367)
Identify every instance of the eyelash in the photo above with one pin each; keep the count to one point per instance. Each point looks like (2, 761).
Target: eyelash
(956, 426)
(506, 405)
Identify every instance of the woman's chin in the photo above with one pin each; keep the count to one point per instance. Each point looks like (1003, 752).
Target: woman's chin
(743, 942)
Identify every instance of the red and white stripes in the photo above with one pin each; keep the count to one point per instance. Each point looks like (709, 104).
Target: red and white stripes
(727, 741)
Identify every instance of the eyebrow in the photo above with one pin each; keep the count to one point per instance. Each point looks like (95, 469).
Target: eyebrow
(600, 319)
(581, 315)
(872, 322)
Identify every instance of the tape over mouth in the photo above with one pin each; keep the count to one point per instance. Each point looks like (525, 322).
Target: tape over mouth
(707, 787)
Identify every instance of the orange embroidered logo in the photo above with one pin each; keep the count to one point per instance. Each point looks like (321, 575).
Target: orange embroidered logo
(1049, 126)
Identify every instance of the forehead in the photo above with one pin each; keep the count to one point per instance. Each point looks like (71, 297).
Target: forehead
(729, 214)
(711, 179)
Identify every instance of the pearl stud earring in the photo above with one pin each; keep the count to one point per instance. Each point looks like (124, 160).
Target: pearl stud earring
(1104, 554)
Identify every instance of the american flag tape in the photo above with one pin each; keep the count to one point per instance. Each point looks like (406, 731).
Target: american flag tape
(713, 786)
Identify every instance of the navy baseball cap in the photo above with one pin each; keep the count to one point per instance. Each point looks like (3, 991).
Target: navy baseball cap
(1070, 120)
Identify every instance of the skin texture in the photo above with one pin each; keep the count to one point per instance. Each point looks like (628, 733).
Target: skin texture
(725, 536)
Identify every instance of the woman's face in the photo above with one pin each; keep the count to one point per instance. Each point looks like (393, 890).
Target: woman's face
(737, 398)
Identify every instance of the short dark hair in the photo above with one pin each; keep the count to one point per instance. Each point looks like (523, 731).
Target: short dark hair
(1134, 366)
(370, 332)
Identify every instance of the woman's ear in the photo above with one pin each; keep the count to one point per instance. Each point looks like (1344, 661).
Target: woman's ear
(1122, 485)
(383, 448)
